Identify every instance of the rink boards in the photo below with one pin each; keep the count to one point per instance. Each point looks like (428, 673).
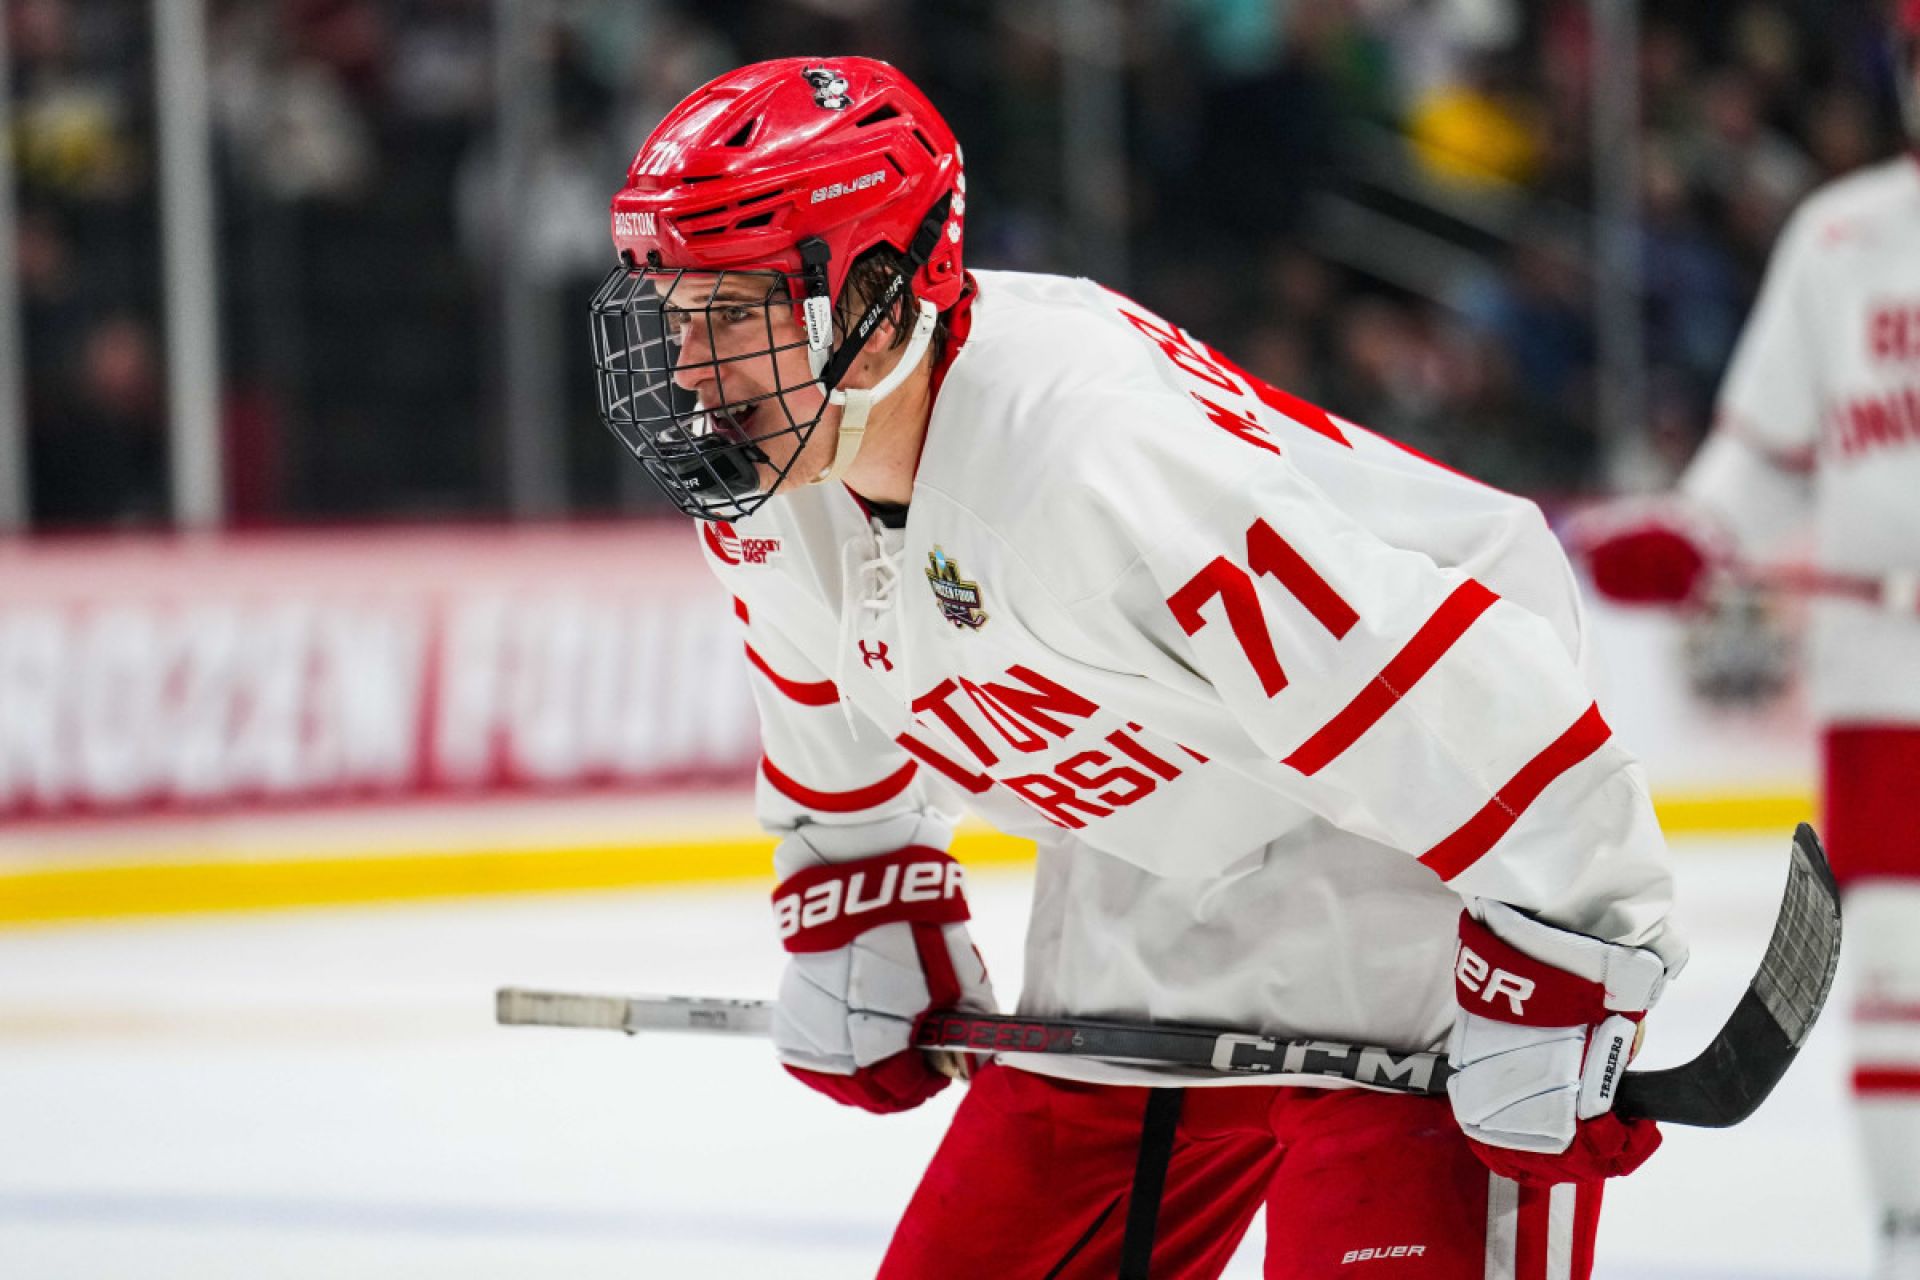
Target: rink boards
(279, 719)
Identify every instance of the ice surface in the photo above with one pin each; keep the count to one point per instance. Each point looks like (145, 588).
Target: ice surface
(322, 1093)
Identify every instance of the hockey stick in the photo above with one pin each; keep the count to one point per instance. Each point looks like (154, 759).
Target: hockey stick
(1733, 1075)
(1229, 1052)
(1719, 1087)
(1896, 592)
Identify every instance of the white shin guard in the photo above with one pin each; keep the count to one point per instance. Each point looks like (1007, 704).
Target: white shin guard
(1883, 949)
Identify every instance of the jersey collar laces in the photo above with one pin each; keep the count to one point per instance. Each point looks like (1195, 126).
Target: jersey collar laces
(871, 563)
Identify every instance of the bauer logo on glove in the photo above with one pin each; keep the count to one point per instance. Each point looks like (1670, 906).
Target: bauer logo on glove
(831, 904)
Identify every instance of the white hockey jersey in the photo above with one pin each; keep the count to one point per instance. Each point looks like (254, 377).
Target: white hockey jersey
(1819, 417)
(1270, 692)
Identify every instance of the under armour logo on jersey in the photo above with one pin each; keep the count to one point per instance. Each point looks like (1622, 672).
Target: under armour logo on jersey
(877, 656)
(829, 88)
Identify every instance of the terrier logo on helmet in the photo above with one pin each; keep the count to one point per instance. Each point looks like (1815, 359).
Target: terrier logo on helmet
(829, 88)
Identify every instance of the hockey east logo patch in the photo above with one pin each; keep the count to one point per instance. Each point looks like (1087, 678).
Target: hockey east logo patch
(959, 600)
(730, 548)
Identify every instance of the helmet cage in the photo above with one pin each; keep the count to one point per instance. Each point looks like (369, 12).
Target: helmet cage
(708, 459)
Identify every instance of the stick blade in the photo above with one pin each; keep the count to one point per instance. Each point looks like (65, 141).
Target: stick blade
(1732, 1076)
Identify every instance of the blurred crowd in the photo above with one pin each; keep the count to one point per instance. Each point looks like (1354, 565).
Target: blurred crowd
(1382, 205)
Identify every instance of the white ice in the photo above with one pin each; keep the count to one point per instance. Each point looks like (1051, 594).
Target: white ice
(322, 1093)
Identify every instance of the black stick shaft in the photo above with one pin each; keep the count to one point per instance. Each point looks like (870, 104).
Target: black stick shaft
(1207, 1048)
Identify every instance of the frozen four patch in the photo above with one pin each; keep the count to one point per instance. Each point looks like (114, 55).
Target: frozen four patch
(959, 600)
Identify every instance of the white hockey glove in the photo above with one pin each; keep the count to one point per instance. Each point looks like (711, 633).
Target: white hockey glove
(1548, 1022)
(875, 941)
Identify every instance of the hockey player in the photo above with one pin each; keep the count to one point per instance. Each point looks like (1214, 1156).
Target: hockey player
(1819, 421)
(1295, 717)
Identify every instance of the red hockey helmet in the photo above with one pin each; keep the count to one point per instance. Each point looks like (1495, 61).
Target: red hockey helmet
(845, 149)
(776, 178)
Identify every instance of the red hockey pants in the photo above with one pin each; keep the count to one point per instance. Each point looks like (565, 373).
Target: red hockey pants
(1871, 826)
(1044, 1179)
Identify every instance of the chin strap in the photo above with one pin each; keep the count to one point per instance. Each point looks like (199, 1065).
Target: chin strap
(857, 402)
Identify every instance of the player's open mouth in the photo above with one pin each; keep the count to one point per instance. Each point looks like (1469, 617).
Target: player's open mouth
(731, 423)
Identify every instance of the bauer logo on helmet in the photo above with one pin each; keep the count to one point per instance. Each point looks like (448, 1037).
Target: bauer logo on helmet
(835, 190)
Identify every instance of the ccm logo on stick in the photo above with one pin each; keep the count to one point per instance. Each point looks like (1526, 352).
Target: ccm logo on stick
(864, 891)
(1474, 974)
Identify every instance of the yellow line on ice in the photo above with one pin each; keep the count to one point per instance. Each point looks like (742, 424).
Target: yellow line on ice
(1734, 813)
(45, 893)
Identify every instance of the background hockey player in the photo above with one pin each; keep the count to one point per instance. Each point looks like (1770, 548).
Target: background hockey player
(1295, 716)
(1819, 421)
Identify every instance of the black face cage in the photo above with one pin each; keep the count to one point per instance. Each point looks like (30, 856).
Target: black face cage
(713, 459)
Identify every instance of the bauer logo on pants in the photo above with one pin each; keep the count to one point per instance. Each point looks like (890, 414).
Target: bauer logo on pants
(959, 600)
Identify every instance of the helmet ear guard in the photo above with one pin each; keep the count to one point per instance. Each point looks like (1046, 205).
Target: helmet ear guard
(856, 403)
(925, 237)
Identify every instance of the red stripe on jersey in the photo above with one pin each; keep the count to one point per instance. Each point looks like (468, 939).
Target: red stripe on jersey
(840, 801)
(1483, 830)
(1435, 636)
(1887, 1081)
(818, 693)
(740, 609)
